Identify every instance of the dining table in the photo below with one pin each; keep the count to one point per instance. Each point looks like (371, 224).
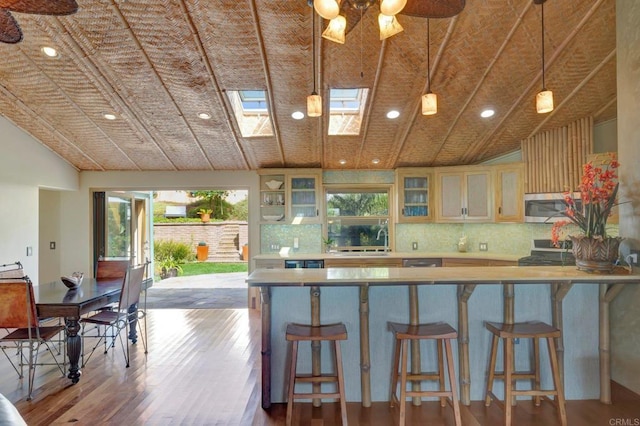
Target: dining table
(55, 300)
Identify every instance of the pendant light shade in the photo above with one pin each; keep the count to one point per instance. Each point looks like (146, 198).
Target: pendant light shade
(392, 7)
(389, 26)
(429, 99)
(328, 9)
(314, 101)
(335, 31)
(544, 99)
(429, 104)
(314, 105)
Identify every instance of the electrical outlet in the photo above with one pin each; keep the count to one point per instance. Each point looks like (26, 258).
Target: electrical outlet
(484, 246)
(295, 243)
(414, 245)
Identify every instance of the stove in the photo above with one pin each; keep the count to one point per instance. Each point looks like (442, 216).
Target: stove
(543, 253)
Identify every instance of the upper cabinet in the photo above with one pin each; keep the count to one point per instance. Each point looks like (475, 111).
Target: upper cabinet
(304, 204)
(509, 205)
(272, 196)
(290, 195)
(464, 194)
(415, 188)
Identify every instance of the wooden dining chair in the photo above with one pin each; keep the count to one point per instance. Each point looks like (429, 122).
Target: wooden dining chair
(110, 324)
(18, 316)
(111, 268)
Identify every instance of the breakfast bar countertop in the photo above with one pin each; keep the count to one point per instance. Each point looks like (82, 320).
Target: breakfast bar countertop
(442, 275)
(467, 278)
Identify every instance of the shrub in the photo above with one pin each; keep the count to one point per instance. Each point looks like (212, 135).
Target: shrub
(166, 249)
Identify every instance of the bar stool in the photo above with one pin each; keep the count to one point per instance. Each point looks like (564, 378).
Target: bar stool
(440, 332)
(333, 333)
(534, 330)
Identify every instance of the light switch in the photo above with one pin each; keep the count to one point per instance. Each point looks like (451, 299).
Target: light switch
(29, 251)
(52, 245)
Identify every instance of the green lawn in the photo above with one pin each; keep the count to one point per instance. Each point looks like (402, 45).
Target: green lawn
(200, 268)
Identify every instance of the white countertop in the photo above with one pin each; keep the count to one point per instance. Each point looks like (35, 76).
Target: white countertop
(445, 275)
(286, 255)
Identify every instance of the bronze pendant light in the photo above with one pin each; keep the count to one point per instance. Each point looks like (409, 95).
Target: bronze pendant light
(544, 98)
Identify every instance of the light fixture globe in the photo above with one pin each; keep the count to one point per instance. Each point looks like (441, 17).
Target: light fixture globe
(544, 101)
(328, 9)
(392, 7)
(335, 31)
(389, 26)
(429, 104)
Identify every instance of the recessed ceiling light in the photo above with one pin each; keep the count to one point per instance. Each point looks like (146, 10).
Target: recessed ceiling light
(297, 115)
(50, 52)
(375, 161)
(109, 116)
(204, 116)
(343, 162)
(487, 113)
(393, 114)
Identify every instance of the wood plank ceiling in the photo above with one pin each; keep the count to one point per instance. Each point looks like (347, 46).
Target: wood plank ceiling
(157, 64)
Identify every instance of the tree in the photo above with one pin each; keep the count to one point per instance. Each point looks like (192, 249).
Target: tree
(214, 199)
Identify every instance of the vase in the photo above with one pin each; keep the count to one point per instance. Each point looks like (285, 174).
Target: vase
(597, 254)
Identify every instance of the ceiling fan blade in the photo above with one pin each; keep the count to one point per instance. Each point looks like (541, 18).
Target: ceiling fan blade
(9, 28)
(433, 8)
(41, 7)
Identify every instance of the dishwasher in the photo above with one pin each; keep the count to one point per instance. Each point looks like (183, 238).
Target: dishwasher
(292, 264)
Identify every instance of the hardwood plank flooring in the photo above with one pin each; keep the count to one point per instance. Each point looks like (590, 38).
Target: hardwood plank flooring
(203, 368)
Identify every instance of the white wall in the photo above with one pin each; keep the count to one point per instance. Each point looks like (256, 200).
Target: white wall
(25, 166)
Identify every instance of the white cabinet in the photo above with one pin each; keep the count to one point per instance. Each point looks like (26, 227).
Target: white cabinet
(272, 196)
(304, 204)
(414, 195)
(464, 196)
(509, 205)
(290, 195)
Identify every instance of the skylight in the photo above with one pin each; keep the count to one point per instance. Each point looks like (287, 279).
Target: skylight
(346, 109)
(252, 112)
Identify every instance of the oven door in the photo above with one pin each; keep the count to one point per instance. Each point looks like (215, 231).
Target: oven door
(547, 207)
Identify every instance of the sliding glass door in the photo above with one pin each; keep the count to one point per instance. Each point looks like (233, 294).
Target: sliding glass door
(122, 226)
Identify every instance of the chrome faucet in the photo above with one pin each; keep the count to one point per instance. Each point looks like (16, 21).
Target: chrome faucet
(383, 230)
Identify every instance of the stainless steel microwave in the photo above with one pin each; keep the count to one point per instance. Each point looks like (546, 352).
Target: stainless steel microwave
(547, 207)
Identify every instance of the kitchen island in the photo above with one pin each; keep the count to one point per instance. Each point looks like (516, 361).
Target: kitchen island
(559, 281)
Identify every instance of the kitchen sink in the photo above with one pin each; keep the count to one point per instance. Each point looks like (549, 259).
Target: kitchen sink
(360, 253)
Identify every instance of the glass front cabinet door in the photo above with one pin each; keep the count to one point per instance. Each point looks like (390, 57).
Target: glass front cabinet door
(304, 203)
(414, 195)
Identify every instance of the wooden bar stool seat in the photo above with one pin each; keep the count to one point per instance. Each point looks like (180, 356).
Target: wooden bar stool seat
(440, 332)
(534, 330)
(332, 333)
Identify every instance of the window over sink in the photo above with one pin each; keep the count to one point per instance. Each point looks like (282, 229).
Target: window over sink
(358, 218)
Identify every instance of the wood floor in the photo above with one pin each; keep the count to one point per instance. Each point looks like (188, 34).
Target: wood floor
(203, 368)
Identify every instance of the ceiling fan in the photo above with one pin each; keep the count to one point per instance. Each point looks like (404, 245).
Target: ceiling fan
(348, 13)
(10, 30)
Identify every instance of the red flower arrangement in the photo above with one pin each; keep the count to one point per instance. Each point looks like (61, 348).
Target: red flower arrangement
(598, 191)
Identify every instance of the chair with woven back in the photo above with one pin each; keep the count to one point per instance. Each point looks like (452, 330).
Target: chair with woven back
(18, 317)
(125, 317)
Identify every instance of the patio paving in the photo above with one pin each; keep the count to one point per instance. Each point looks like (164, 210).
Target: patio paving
(210, 291)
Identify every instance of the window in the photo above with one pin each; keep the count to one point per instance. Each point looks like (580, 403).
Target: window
(251, 110)
(346, 108)
(358, 218)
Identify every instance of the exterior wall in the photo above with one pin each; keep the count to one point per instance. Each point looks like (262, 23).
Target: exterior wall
(193, 233)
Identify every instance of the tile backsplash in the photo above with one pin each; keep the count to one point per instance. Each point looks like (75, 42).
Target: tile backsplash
(502, 238)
